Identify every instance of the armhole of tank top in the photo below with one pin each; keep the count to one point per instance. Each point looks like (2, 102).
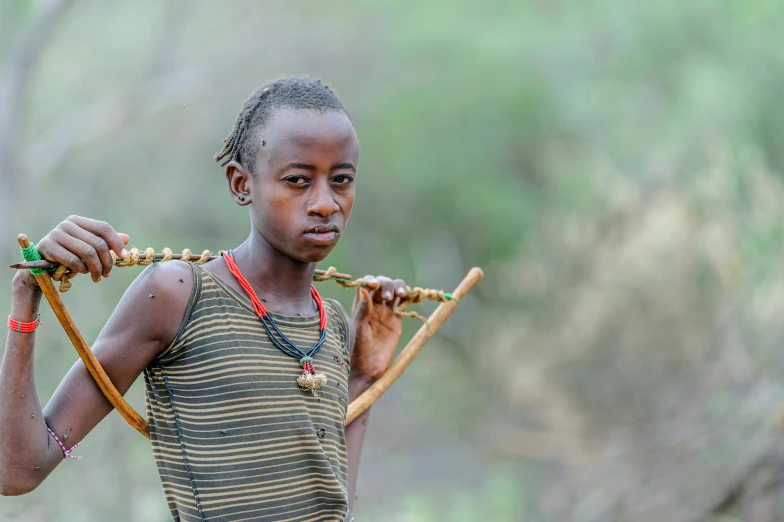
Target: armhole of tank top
(338, 310)
(195, 290)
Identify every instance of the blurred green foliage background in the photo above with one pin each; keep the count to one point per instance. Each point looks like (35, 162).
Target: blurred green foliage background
(615, 167)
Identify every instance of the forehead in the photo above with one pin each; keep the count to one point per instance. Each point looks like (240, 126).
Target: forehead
(300, 134)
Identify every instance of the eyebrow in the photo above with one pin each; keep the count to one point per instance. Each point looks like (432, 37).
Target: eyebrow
(308, 166)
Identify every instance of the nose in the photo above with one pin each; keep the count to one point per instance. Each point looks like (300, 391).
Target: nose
(322, 201)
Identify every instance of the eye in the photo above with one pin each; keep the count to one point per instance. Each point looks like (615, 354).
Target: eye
(343, 179)
(297, 180)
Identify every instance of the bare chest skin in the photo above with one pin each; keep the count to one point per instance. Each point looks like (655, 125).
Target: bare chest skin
(272, 299)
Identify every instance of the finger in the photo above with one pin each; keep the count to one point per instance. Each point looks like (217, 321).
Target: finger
(125, 238)
(377, 296)
(371, 283)
(362, 303)
(86, 253)
(59, 254)
(400, 288)
(387, 290)
(99, 245)
(105, 231)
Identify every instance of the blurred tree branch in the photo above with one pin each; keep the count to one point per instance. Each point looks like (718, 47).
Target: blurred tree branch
(28, 48)
(90, 122)
(754, 495)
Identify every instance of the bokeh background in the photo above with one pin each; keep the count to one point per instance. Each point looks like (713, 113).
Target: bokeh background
(615, 167)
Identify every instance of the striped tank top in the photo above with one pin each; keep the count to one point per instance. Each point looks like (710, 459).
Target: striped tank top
(233, 436)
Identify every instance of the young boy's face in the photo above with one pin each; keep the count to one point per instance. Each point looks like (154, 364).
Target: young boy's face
(305, 176)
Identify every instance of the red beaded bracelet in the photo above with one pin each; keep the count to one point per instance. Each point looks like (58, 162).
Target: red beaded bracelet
(16, 326)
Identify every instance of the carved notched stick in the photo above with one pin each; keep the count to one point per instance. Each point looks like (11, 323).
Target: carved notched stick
(426, 332)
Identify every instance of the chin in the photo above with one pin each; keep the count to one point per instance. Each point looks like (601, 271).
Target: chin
(315, 256)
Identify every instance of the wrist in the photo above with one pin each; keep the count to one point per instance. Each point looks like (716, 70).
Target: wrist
(26, 298)
(24, 283)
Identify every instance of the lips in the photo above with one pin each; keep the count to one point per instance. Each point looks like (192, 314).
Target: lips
(323, 234)
(323, 229)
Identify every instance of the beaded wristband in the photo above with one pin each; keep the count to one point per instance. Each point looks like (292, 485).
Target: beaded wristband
(17, 326)
(66, 452)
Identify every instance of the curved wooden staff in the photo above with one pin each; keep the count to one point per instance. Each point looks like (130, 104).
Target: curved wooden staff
(92, 364)
(356, 408)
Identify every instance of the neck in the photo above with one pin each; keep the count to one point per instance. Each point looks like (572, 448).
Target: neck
(281, 282)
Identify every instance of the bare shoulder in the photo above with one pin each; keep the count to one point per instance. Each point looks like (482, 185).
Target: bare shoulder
(146, 321)
(172, 279)
(158, 299)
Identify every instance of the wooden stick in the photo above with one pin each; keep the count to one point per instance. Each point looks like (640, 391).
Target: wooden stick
(48, 265)
(420, 339)
(355, 409)
(156, 257)
(92, 364)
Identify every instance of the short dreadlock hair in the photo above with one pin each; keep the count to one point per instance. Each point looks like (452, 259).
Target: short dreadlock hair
(295, 92)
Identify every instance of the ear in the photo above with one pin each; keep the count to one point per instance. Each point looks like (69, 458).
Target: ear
(239, 180)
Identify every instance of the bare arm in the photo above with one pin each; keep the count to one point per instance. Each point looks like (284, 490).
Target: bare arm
(135, 334)
(374, 333)
(355, 432)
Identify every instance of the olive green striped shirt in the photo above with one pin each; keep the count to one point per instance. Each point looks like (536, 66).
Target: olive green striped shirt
(234, 437)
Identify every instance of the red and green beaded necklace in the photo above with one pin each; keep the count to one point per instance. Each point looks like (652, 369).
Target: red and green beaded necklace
(309, 380)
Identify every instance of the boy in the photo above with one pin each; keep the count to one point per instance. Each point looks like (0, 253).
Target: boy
(228, 350)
